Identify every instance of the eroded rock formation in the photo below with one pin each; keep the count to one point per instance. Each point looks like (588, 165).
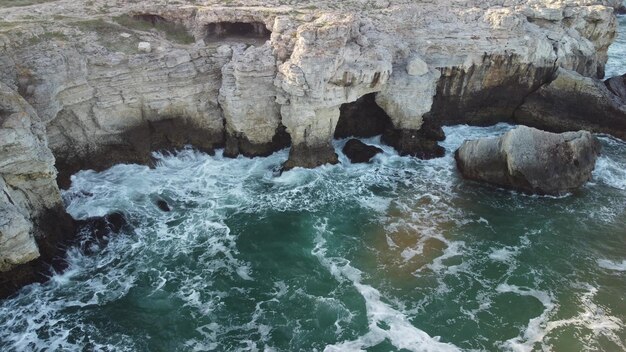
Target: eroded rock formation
(105, 82)
(531, 160)
(33, 223)
(573, 102)
(359, 152)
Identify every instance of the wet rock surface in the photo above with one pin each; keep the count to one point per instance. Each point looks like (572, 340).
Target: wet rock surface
(359, 152)
(530, 160)
(96, 85)
(573, 102)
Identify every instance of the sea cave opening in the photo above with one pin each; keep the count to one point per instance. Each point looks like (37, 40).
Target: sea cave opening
(237, 30)
(362, 118)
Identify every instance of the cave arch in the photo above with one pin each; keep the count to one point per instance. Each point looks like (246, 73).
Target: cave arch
(237, 30)
(362, 118)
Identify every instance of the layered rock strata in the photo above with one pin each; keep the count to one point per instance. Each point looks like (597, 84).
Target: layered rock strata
(109, 82)
(531, 160)
(33, 223)
(574, 102)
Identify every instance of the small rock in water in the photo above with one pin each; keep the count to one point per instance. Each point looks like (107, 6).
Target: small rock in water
(163, 205)
(359, 152)
(531, 160)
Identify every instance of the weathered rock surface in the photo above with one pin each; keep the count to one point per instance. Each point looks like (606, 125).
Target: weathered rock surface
(472, 62)
(574, 102)
(105, 82)
(27, 178)
(248, 100)
(421, 143)
(359, 152)
(531, 160)
(33, 225)
(617, 86)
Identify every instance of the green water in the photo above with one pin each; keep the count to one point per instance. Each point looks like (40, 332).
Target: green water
(397, 255)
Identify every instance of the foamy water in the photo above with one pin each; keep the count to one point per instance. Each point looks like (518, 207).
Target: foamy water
(397, 254)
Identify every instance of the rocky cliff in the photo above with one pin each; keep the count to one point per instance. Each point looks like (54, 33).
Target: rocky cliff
(102, 82)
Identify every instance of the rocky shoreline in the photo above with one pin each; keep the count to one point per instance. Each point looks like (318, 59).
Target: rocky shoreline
(91, 84)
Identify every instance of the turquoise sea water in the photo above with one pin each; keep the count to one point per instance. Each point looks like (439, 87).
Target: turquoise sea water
(400, 254)
(397, 255)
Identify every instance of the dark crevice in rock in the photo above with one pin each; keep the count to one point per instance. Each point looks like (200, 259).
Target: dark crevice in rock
(362, 118)
(237, 30)
(9, 198)
(422, 143)
(151, 18)
(237, 144)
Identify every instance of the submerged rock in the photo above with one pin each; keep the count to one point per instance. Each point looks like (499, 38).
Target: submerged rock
(359, 152)
(531, 160)
(162, 204)
(96, 231)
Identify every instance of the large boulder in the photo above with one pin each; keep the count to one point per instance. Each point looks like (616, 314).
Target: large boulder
(531, 160)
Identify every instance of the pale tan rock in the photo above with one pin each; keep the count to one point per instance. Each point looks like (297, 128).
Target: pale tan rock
(144, 47)
(416, 67)
(27, 178)
(90, 86)
(248, 94)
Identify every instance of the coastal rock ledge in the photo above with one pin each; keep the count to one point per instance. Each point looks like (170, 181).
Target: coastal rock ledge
(87, 84)
(530, 160)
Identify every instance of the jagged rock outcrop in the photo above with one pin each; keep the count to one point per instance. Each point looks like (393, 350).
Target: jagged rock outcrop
(248, 100)
(113, 81)
(359, 152)
(531, 160)
(574, 102)
(87, 79)
(33, 224)
(617, 86)
(27, 178)
(329, 66)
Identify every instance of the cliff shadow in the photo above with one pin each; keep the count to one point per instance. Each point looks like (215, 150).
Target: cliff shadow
(362, 118)
(242, 32)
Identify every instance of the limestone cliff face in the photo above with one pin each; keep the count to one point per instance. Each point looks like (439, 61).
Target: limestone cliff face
(110, 81)
(251, 68)
(27, 178)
